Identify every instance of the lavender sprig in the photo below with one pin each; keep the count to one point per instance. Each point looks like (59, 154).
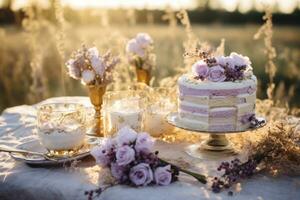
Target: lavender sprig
(234, 171)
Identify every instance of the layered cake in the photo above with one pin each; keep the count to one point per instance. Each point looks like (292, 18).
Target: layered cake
(219, 95)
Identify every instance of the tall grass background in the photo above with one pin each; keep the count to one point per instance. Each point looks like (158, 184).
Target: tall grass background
(32, 56)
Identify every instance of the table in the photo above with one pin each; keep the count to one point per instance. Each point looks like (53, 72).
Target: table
(18, 181)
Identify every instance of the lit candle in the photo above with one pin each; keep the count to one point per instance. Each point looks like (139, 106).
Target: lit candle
(125, 112)
(155, 120)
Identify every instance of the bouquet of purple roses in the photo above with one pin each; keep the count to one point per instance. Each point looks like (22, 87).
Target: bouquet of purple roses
(131, 160)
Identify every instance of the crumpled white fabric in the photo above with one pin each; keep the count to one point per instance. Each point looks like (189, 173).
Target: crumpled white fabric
(18, 181)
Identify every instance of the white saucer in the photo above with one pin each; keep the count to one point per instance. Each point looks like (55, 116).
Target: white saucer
(39, 161)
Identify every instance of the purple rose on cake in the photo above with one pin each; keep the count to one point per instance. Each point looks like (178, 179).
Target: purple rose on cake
(200, 69)
(225, 61)
(216, 74)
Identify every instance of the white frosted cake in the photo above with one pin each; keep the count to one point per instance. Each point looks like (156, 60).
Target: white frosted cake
(219, 95)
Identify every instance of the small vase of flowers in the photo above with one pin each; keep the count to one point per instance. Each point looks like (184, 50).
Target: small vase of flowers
(94, 71)
(140, 55)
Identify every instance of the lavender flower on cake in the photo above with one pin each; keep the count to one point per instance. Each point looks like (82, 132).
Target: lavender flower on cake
(87, 65)
(216, 74)
(200, 69)
(223, 68)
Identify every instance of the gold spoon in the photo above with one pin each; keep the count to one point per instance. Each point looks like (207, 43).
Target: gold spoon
(4, 148)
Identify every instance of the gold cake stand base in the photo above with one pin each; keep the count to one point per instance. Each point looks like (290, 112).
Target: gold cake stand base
(215, 146)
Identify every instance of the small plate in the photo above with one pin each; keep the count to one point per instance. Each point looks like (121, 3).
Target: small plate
(175, 120)
(39, 161)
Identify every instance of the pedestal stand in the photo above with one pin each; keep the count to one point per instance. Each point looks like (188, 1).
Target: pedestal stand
(216, 145)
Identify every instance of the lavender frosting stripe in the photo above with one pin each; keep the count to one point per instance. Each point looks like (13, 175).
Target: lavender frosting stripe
(193, 109)
(207, 92)
(225, 113)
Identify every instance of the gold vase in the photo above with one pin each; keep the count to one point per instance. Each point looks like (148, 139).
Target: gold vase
(96, 93)
(143, 75)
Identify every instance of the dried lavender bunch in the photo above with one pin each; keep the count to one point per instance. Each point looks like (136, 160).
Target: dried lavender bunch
(278, 152)
(199, 54)
(233, 172)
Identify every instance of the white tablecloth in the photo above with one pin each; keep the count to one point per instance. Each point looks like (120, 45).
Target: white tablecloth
(19, 181)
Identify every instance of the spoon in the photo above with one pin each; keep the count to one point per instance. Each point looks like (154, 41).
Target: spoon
(8, 149)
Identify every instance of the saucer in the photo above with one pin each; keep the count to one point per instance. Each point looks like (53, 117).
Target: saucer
(39, 161)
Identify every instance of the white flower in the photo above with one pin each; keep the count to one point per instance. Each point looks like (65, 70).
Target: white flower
(98, 65)
(96, 61)
(93, 52)
(73, 69)
(133, 47)
(240, 60)
(126, 135)
(143, 40)
(248, 72)
(88, 76)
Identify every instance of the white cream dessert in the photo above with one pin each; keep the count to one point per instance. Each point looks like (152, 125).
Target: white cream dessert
(61, 126)
(59, 140)
(219, 96)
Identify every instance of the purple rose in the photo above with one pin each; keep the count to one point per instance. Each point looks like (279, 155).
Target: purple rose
(144, 40)
(144, 143)
(117, 172)
(221, 60)
(216, 74)
(126, 136)
(141, 174)
(225, 61)
(124, 155)
(133, 47)
(102, 154)
(163, 175)
(201, 69)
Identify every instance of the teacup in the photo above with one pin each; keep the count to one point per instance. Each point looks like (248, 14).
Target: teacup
(61, 127)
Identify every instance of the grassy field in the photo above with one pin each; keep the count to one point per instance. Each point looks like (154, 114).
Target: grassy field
(18, 49)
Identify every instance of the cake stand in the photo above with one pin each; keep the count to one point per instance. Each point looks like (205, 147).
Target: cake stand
(217, 144)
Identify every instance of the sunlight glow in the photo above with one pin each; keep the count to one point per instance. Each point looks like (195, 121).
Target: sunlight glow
(229, 5)
(285, 6)
(150, 4)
